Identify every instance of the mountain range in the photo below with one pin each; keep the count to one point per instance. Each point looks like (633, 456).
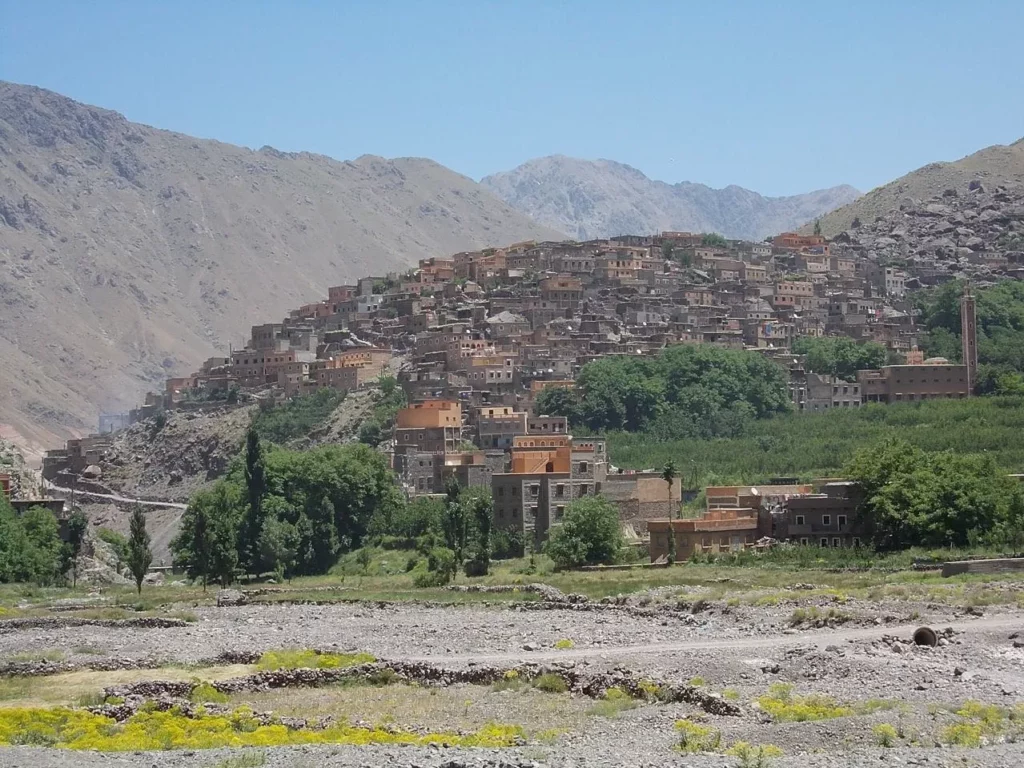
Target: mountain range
(129, 253)
(590, 199)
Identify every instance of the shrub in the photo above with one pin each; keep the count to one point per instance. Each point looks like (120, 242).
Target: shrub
(815, 617)
(296, 417)
(615, 701)
(885, 735)
(754, 757)
(204, 693)
(694, 737)
(550, 683)
(783, 706)
(696, 682)
(564, 644)
(730, 694)
(309, 659)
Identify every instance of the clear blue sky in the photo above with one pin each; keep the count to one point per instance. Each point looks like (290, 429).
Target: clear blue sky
(781, 97)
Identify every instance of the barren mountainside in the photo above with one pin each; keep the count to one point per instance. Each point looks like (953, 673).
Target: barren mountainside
(129, 253)
(601, 198)
(993, 166)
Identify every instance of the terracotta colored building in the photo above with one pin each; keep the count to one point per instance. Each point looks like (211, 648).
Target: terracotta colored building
(719, 530)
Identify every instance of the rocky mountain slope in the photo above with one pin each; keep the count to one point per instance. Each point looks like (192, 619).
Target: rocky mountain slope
(974, 231)
(601, 198)
(992, 166)
(129, 253)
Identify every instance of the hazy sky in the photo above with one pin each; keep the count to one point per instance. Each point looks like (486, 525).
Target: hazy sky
(780, 97)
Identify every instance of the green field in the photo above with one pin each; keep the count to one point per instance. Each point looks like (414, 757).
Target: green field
(819, 445)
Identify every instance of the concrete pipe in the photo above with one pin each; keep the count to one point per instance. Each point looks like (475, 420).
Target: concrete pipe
(926, 636)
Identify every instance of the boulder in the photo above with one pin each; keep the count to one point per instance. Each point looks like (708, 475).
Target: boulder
(231, 597)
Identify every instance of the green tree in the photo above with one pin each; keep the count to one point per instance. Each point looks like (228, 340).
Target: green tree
(840, 356)
(139, 555)
(256, 488)
(30, 546)
(456, 521)
(556, 401)
(364, 557)
(671, 542)
(817, 227)
(669, 474)
(714, 240)
(482, 508)
(78, 524)
(207, 542)
(913, 498)
(279, 547)
(590, 533)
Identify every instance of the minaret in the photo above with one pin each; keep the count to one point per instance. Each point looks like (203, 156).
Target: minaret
(969, 337)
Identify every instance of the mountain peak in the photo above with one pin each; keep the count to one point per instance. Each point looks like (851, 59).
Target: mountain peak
(603, 198)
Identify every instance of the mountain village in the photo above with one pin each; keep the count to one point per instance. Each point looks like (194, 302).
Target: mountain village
(475, 337)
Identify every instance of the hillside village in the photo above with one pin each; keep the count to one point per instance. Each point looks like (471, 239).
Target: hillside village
(477, 336)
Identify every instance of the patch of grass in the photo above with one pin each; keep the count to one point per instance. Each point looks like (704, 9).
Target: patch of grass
(300, 658)
(694, 737)
(52, 656)
(615, 701)
(751, 756)
(564, 645)
(783, 706)
(550, 683)
(511, 681)
(79, 729)
(978, 724)
(246, 760)
(816, 617)
(730, 694)
(88, 650)
(697, 682)
(204, 693)
(14, 688)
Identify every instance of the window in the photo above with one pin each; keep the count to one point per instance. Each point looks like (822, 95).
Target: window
(841, 519)
(583, 490)
(501, 490)
(856, 541)
(534, 490)
(826, 519)
(824, 543)
(515, 491)
(559, 511)
(800, 520)
(584, 467)
(803, 541)
(837, 543)
(559, 490)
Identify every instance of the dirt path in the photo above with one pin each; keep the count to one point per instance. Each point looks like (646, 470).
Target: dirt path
(820, 638)
(117, 499)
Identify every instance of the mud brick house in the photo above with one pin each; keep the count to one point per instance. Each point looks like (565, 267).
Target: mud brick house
(546, 474)
(937, 378)
(719, 530)
(642, 496)
(828, 518)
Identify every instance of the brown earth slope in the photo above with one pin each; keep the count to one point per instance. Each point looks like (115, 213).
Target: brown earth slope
(993, 166)
(129, 253)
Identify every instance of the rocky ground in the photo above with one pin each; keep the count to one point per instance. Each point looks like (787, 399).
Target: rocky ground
(952, 233)
(735, 652)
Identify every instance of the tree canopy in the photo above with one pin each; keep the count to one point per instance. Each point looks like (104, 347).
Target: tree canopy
(590, 533)
(915, 498)
(314, 505)
(839, 356)
(688, 390)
